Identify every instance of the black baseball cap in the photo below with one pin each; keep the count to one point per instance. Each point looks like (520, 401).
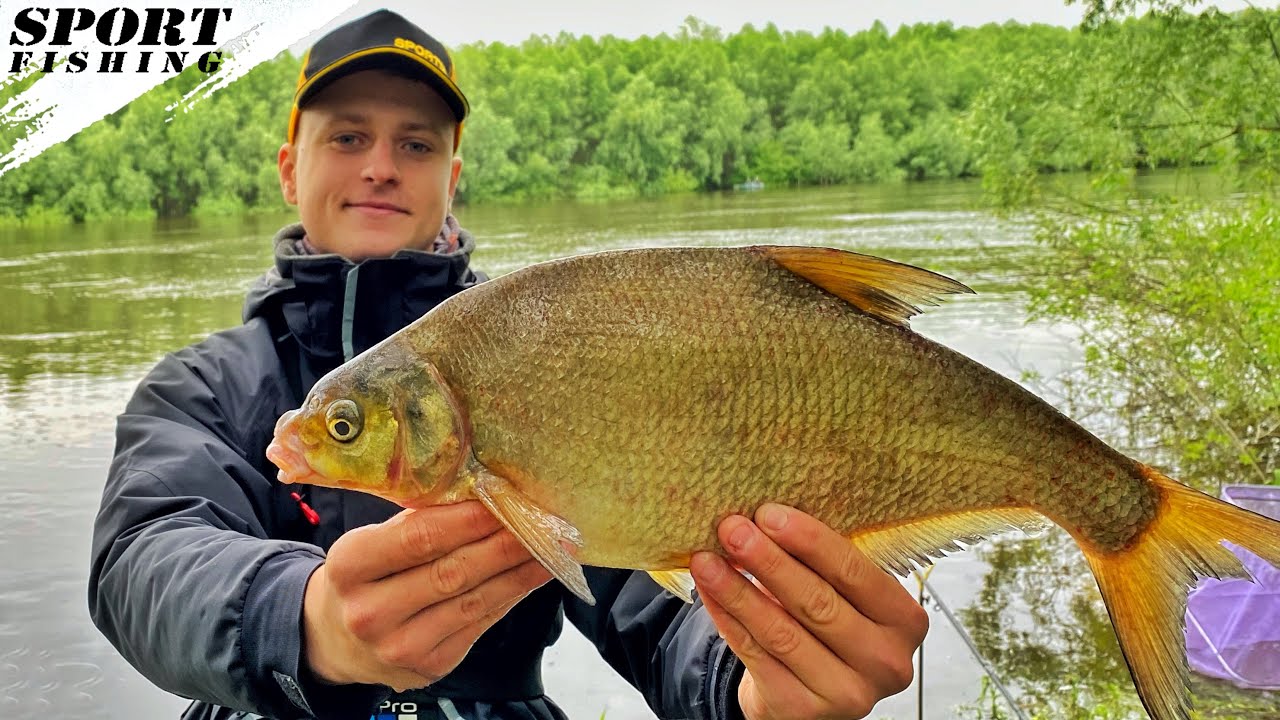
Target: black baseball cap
(379, 40)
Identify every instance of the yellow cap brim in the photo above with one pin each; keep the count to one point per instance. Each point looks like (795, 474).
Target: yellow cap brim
(442, 83)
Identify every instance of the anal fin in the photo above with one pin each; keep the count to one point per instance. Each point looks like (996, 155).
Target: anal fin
(676, 582)
(899, 548)
(541, 532)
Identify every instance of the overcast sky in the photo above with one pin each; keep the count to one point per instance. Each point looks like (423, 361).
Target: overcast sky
(465, 21)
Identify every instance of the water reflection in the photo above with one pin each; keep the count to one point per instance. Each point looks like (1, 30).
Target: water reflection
(1040, 620)
(100, 299)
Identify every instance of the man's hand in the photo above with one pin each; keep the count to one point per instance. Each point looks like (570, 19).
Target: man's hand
(400, 603)
(837, 636)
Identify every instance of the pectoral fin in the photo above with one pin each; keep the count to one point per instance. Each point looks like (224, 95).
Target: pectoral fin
(541, 532)
(676, 582)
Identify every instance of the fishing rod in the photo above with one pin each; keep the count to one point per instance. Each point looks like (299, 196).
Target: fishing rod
(923, 584)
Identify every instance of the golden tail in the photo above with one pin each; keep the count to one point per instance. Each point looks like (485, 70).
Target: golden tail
(1145, 586)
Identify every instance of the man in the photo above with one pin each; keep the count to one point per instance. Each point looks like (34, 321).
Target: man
(222, 585)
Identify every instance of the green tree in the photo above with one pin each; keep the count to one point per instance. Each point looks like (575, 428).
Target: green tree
(702, 109)
(822, 152)
(1178, 295)
(875, 155)
(640, 147)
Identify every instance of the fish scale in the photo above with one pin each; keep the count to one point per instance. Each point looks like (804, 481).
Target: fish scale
(623, 403)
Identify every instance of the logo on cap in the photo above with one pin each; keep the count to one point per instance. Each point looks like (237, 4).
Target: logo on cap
(425, 54)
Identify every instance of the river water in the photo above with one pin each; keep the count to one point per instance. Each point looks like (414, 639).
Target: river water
(87, 310)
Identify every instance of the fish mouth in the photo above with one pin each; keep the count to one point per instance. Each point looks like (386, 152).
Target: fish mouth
(286, 452)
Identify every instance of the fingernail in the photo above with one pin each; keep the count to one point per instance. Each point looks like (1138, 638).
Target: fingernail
(741, 535)
(773, 517)
(707, 565)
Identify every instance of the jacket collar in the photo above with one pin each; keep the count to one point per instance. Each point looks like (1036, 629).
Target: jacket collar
(336, 309)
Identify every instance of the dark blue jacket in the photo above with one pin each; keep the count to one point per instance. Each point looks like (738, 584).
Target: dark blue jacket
(200, 557)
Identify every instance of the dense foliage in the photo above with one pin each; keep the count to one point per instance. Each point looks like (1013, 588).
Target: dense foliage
(1179, 295)
(220, 157)
(599, 118)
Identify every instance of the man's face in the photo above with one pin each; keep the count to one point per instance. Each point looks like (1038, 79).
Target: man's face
(371, 168)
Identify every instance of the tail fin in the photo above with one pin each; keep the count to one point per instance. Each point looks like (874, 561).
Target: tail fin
(1145, 586)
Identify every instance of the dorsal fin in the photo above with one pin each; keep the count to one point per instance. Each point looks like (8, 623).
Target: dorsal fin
(882, 288)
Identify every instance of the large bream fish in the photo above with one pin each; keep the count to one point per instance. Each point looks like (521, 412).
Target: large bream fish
(623, 403)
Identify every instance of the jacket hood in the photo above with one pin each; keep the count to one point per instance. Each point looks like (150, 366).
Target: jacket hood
(336, 308)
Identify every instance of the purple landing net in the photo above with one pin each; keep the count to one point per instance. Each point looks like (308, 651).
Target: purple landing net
(1233, 626)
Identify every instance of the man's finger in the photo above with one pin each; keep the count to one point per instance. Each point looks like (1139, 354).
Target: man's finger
(758, 663)
(409, 539)
(805, 595)
(880, 654)
(403, 680)
(387, 603)
(872, 591)
(461, 621)
(782, 659)
(479, 606)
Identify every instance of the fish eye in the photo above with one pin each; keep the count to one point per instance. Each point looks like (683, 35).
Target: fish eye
(343, 420)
